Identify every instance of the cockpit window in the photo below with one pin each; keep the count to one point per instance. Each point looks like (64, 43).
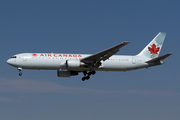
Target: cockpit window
(13, 57)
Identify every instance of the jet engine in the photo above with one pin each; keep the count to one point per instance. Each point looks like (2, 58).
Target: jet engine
(62, 73)
(74, 64)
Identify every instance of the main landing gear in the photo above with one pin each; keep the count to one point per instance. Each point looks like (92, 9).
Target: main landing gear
(19, 69)
(87, 75)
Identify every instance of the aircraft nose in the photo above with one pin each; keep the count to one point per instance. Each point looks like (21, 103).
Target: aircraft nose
(9, 61)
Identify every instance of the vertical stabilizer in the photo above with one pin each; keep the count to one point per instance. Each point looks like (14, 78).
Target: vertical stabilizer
(153, 49)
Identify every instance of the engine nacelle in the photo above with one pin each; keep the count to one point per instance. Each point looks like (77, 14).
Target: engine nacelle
(62, 73)
(74, 64)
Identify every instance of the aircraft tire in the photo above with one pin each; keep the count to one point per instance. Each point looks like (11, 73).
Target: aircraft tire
(83, 79)
(87, 77)
(93, 72)
(20, 74)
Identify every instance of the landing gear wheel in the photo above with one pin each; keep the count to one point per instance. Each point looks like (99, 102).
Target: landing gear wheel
(88, 74)
(83, 79)
(19, 69)
(20, 74)
(87, 77)
(93, 72)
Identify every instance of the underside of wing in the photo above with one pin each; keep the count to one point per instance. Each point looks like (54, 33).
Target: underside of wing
(94, 60)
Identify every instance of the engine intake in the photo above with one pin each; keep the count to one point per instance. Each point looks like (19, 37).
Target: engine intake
(62, 73)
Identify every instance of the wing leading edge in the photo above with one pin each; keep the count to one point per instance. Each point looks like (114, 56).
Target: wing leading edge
(103, 55)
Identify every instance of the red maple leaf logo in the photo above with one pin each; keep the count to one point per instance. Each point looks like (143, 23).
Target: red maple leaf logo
(153, 49)
(34, 54)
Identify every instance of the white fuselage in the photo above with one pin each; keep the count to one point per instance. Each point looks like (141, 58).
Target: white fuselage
(71, 64)
(54, 61)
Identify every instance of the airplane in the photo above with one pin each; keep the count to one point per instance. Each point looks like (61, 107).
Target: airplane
(71, 64)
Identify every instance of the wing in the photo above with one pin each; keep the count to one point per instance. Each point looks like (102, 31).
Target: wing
(94, 60)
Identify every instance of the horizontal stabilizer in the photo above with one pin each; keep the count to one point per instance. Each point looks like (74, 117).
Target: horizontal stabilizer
(159, 58)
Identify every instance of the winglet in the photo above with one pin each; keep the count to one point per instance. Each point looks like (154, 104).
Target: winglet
(159, 58)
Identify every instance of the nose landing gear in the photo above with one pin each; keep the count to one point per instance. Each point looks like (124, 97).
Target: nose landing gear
(19, 69)
(87, 75)
(20, 73)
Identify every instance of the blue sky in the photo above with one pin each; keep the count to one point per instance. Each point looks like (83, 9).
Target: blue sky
(88, 27)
